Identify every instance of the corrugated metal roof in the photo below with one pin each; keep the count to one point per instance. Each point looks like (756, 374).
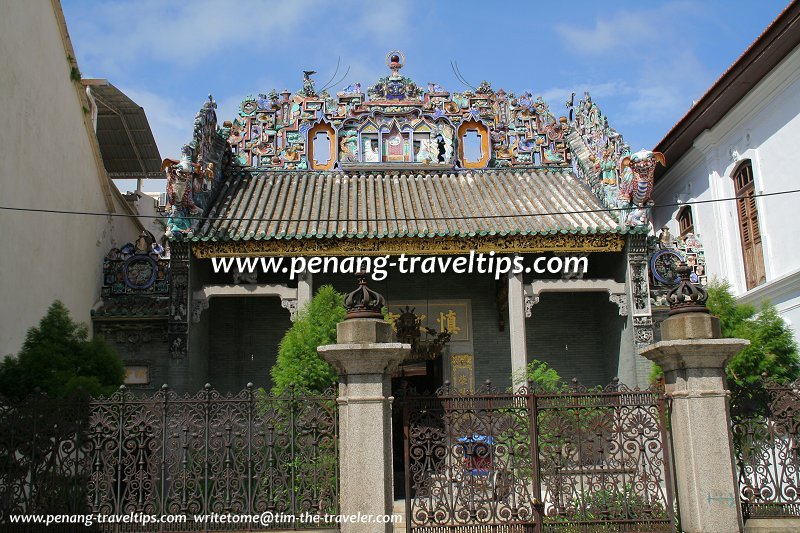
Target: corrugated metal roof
(281, 205)
(126, 140)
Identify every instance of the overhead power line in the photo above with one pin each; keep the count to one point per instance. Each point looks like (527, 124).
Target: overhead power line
(384, 219)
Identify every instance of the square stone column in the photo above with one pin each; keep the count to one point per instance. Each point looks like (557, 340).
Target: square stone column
(516, 328)
(305, 291)
(693, 358)
(364, 359)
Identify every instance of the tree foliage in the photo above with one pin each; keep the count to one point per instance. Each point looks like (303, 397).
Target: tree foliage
(57, 358)
(543, 376)
(298, 361)
(772, 350)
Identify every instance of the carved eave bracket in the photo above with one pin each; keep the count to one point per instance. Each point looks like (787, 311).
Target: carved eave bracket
(621, 299)
(290, 304)
(530, 301)
(615, 290)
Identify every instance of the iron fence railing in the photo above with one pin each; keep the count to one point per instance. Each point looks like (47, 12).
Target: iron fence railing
(166, 454)
(572, 459)
(765, 422)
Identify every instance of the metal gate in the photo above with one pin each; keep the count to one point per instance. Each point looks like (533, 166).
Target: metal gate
(172, 456)
(766, 434)
(572, 459)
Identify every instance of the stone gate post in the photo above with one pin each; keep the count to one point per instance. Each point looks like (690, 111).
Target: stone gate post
(693, 357)
(364, 357)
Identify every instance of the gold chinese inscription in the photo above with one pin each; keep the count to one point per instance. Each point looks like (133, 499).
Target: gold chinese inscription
(448, 321)
(391, 318)
(607, 242)
(463, 372)
(451, 315)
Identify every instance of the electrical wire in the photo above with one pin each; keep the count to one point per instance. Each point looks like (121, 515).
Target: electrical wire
(376, 219)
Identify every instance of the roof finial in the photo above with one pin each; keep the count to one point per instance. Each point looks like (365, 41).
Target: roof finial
(687, 297)
(363, 302)
(308, 83)
(395, 61)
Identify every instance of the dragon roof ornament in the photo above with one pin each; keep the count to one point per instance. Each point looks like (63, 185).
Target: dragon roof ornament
(623, 181)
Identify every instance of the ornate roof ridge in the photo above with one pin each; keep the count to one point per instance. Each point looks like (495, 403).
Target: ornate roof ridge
(398, 127)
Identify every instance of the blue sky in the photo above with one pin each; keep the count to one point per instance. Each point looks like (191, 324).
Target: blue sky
(643, 62)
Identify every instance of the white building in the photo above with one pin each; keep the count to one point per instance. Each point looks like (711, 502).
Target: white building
(52, 159)
(740, 142)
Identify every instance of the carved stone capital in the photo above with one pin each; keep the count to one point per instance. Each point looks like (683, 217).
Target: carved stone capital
(530, 301)
(198, 306)
(622, 302)
(290, 304)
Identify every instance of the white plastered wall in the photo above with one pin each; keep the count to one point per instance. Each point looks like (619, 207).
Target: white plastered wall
(764, 127)
(49, 160)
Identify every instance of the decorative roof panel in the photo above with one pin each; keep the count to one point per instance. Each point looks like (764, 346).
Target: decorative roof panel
(396, 160)
(144, 306)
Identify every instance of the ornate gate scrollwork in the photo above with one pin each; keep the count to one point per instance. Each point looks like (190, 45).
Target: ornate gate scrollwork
(569, 458)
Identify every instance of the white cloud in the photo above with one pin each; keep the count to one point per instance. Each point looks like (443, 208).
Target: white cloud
(170, 121)
(383, 22)
(629, 33)
(654, 81)
(187, 33)
(609, 35)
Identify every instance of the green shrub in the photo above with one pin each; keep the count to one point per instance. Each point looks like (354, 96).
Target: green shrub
(544, 377)
(772, 350)
(57, 358)
(298, 361)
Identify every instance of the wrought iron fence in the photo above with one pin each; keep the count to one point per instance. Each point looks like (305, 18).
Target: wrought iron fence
(575, 459)
(167, 454)
(766, 422)
(43, 456)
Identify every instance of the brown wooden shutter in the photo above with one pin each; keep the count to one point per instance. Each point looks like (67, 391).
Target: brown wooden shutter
(752, 250)
(686, 221)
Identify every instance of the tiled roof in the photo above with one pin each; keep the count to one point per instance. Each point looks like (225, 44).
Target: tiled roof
(281, 205)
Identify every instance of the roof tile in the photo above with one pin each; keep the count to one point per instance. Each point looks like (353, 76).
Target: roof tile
(271, 205)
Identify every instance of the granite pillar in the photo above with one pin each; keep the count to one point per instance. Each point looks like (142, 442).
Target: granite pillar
(516, 329)
(693, 358)
(364, 357)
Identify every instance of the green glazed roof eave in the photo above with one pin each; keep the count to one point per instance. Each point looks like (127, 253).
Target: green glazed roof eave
(497, 202)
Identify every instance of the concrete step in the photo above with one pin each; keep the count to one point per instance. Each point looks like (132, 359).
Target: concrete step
(772, 525)
(399, 508)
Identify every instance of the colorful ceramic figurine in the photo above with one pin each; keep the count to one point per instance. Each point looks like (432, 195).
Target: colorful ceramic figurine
(308, 83)
(348, 147)
(643, 163)
(180, 191)
(625, 182)
(608, 171)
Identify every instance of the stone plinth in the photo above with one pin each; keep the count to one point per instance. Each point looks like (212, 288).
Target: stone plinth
(364, 360)
(694, 374)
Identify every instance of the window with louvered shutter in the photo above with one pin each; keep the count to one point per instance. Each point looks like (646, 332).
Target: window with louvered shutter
(685, 221)
(749, 230)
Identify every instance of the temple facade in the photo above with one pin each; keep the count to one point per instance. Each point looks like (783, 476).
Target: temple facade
(400, 170)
